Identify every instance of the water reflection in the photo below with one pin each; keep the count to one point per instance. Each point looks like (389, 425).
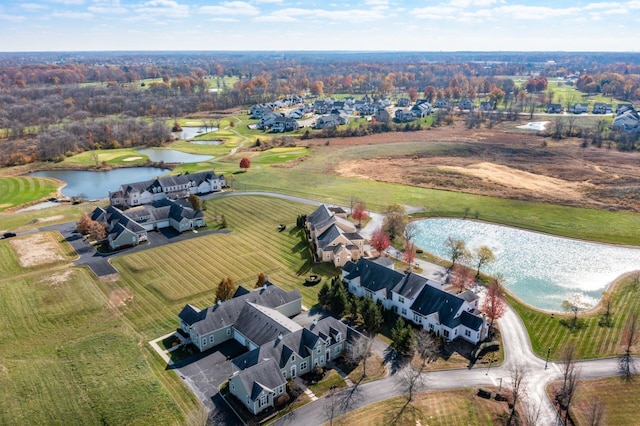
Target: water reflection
(541, 270)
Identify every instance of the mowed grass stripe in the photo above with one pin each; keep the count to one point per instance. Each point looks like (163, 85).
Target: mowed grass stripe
(16, 191)
(592, 339)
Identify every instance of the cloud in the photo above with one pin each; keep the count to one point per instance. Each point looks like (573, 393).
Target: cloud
(435, 12)
(223, 20)
(72, 15)
(274, 18)
(535, 12)
(476, 3)
(32, 6)
(112, 6)
(11, 18)
(353, 15)
(163, 8)
(69, 2)
(234, 8)
(266, 1)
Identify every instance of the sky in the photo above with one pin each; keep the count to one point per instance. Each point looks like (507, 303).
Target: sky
(359, 25)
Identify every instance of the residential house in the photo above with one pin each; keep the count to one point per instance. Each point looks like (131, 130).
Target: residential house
(173, 187)
(236, 318)
(554, 108)
(403, 102)
(579, 109)
(335, 239)
(486, 106)
(602, 108)
(327, 122)
(404, 115)
(441, 103)
(278, 348)
(382, 116)
(466, 104)
(422, 109)
(285, 124)
(257, 111)
(620, 108)
(418, 299)
(629, 121)
(289, 355)
(268, 120)
(129, 228)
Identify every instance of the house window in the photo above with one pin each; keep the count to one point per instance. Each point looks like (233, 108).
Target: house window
(404, 311)
(319, 349)
(445, 333)
(233, 386)
(417, 318)
(467, 333)
(338, 337)
(303, 366)
(204, 341)
(211, 339)
(284, 374)
(400, 299)
(322, 359)
(263, 400)
(293, 357)
(431, 327)
(229, 331)
(337, 350)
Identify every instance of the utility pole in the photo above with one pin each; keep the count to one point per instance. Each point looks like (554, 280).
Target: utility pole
(547, 361)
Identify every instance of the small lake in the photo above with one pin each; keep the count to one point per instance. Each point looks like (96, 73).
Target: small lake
(172, 155)
(191, 132)
(541, 270)
(98, 184)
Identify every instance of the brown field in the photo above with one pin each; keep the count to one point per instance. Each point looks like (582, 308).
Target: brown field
(37, 250)
(502, 162)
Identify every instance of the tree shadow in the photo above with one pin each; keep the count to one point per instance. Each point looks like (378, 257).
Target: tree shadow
(393, 359)
(402, 409)
(573, 324)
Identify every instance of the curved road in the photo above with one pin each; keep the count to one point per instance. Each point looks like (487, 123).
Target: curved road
(517, 348)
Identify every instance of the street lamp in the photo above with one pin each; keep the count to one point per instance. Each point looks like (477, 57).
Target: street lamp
(547, 361)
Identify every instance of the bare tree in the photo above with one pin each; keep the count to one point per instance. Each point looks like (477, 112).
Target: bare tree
(457, 250)
(629, 339)
(518, 373)
(361, 349)
(596, 412)
(532, 412)
(412, 380)
(331, 404)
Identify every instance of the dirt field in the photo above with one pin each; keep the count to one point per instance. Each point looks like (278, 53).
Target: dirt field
(503, 162)
(36, 250)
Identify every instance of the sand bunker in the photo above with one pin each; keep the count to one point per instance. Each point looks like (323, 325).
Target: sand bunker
(50, 218)
(119, 297)
(518, 179)
(534, 125)
(57, 279)
(132, 158)
(36, 250)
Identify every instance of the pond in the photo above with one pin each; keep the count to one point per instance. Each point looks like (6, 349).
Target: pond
(172, 155)
(540, 269)
(98, 184)
(191, 132)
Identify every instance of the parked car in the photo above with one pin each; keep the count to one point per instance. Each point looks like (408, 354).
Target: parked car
(8, 234)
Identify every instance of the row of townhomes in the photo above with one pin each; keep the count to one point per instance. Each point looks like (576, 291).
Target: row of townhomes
(335, 239)
(418, 299)
(278, 348)
(172, 187)
(129, 228)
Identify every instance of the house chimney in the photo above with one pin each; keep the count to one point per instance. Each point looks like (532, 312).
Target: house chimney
(280, 336)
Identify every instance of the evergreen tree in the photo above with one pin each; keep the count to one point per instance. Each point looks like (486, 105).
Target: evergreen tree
(324, 295)
(371, 315)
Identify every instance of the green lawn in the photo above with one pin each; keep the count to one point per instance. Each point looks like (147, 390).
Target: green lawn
(313, 181)
(17, 191)
(592, 339)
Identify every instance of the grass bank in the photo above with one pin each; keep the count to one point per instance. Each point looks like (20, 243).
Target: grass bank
(17, 191)
(594, 337)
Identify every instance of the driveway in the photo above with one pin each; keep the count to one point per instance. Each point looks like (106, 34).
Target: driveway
(205, 372)
(99, 262)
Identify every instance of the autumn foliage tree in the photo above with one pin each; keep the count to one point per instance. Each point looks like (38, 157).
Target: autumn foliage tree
(245, 163)
(494, 304)
(262, 279)
(225, 289)
(359, 213)
(379, 240)
(84, 224)
(97, 230)
(462, 278)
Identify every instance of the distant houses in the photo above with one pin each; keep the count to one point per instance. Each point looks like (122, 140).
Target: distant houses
(172, 187)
